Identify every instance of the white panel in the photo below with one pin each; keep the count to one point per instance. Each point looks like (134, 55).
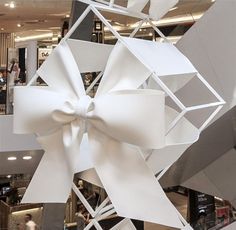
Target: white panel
(123, 71)
(13, 142)
(230, 227)
(162, 158)
(91, 176)
(200, 182)
(213, 51)
(222, 173)
(158, 8)
(90, 56)
(125, 224)
(163, 58)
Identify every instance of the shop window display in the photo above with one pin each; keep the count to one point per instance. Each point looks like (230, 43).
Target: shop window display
(209, 212)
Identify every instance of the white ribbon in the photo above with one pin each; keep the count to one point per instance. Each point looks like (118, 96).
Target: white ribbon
(117, 123)
(158, 8)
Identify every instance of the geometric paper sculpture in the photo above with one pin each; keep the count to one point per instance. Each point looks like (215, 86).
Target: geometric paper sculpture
(60, 118)
(114, 131)
(208, 166)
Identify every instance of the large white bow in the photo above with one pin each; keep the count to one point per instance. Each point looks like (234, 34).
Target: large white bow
(117, 122)
(158, 8)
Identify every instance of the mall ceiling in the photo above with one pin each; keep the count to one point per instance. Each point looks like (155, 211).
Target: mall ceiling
(19, 165)
(33, 17)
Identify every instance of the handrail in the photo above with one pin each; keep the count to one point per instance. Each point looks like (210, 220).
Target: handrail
(5, 204)
(4, 212)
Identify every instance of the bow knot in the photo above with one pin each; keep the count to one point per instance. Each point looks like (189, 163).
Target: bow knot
(83, 106)
(73, 110)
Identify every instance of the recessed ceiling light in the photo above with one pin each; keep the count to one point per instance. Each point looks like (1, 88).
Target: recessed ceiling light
(2, 29)
(11, 158)
(6, 4)
(150, 34)
(18, 25)
(12, 5)
(27, 157)
(8, 176)
(67, 15)
(213, 0)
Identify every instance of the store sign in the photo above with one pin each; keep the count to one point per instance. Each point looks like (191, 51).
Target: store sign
(200, 203)
(44, 53)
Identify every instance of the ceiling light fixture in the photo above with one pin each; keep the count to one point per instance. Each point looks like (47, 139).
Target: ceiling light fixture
(8, 176)
(27, 157)
(67, 15)
(34, 37)
(19, 25)
(12, 5)
(11, 158)
(2, 29)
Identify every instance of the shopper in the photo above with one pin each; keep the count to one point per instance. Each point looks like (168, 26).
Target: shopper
(201, 223)
(81, 218)
(13, 75)
(29, 223)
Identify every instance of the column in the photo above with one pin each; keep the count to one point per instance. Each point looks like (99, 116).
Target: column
(31, 59)
(6, 41)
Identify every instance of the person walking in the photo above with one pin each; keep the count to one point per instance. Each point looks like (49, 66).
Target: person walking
(29, 223)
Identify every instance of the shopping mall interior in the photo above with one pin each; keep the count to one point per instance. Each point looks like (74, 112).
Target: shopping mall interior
(197, 176)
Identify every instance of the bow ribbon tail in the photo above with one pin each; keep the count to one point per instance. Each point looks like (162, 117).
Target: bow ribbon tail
(129, 183)
(52, 180)
(76, 146)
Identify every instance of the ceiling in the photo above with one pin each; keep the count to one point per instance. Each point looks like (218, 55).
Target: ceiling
(37, 16)
(46, 16)
(19, 166)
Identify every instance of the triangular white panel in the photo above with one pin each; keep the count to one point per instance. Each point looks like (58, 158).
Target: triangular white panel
(162, 58)
(125, 224)
(96, 53)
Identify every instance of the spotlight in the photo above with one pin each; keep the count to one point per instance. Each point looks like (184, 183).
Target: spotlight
(11, 158)
(27, 157)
